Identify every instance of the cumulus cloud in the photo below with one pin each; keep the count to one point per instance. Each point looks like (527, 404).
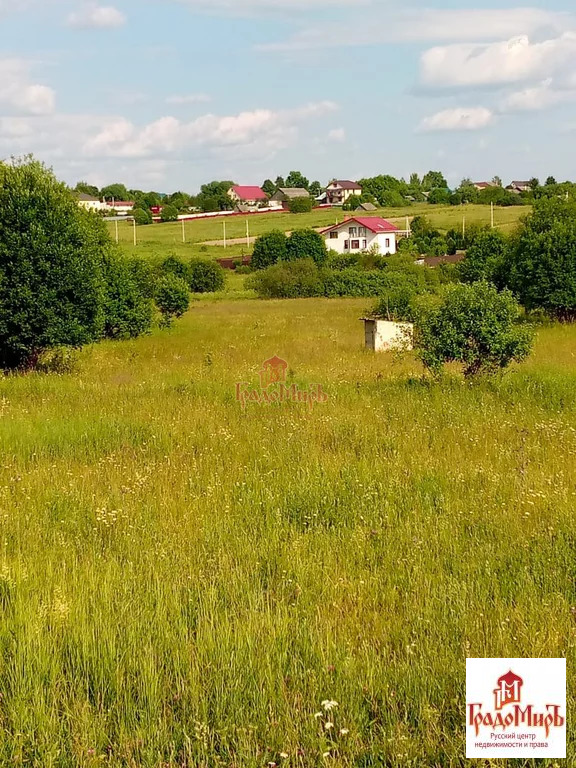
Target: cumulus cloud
(409, 25)
(94, 16)
(458, 119)
(337, 135)
(538, 97)
(513, 61)
(190, 98)
(18, 94)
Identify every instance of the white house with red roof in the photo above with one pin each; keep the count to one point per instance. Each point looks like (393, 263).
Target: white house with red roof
(339, 191)
(250, 196)
(361, 233)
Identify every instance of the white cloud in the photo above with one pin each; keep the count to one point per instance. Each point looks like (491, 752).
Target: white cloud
(458, 119)
(267, 130)
(337, 135)
(190, 98)
(428, 24)
(18, 95)
(535, 98)
(513, 61)
(96, 16)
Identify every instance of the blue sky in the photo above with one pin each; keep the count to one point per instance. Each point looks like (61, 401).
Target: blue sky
(168, 94)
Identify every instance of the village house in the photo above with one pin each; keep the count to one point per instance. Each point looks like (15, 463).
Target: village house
(247, 197)
(338, 191)
(481, 185)
(519, 186)
(90, 203)
(361, 233)
(119, 207)
(282, 197)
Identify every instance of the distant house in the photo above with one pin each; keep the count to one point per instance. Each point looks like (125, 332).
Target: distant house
(360, 233)
(480, 185)
(119, 207)
(90, 203)
(519, 186)
(250, 196)
(282, 197)
(367, 207)
(338, 191)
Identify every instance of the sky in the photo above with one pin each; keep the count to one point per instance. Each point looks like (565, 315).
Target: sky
(170, 94)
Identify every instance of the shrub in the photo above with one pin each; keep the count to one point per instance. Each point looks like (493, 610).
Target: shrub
(205, 276)
(474, 325)
(144, 276)
(142, 217)
(172, 265)
(172, 298)
(169, 213)
(353, 282)
(301, 205)
(306, 244)
(127, 311)
(269, 249)
(287, 280)
(51, 252)
(485, 257)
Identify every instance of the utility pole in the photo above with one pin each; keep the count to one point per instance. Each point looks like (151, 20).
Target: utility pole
(224, 227)
(463, 226)
(134, 222)
(492, 214)
(183, 232)
(247, 234)
(116, 223)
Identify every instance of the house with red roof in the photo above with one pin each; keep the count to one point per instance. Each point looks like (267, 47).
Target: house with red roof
(250, 197)
(361, 233)
(338, 191)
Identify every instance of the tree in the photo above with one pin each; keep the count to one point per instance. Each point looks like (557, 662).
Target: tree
(115, 191)
(269, 187)
(485, 258)
(550, 181)
(128, 310)
(387, 190)
(301, 205)
(439, 196)
(534, 184)
(87, 189)
(497, 181)
(205, 276)
(315, 189)
(306, 244)
(214, 196)
(434, 180)
(296, 179)
(279, 183)
(474, 325)
(169, 213)
(172, 298)
(541, 266)
(142, 217)
(60, 273)
(269, 249)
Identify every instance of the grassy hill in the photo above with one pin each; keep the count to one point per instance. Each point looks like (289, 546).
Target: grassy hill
(183, 582)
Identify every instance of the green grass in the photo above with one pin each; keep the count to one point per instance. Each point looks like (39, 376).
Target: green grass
(159, 239)
(182, 582)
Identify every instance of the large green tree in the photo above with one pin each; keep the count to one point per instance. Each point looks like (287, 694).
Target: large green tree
(115, 191)
(434, 180)
(296, 179)
(214, 196)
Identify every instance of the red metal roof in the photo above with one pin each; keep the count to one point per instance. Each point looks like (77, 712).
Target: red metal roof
(373, 223)
(250, 193)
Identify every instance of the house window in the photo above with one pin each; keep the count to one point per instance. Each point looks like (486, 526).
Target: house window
(346, 244)
(364, 244)
(355, 245)
(387, 242)
(352, 231)
(362, 232)
(333, 235)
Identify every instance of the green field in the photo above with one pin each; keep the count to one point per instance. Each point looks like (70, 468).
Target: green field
(158, 239)
(183, 582)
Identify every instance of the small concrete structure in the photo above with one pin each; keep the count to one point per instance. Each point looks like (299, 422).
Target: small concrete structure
(385, 335)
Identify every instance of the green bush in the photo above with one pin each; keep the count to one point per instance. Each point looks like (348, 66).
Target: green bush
(269, 249)
(127, 311)
(169, 213)
(287, 280)
(51, 253)
(301, 205)
(473, 325)
(142, 217)
(485, 258)
(353, 282)
(205, 276)
(306, 244)
(173, 265)
(172, 298)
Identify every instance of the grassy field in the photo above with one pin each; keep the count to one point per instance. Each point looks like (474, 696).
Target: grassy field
(159, 239)
(183, 582)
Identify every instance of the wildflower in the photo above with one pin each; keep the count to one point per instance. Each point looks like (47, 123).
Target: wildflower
(328, 704)
(344, 731)
(326, 754)
(328, 726)
(318, 714)
(283, 755)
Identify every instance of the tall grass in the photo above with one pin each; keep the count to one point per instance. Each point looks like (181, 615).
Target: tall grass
(182, 583)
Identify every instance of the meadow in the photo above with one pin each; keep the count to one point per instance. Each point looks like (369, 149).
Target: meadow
(184, 582)
(159, 239)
